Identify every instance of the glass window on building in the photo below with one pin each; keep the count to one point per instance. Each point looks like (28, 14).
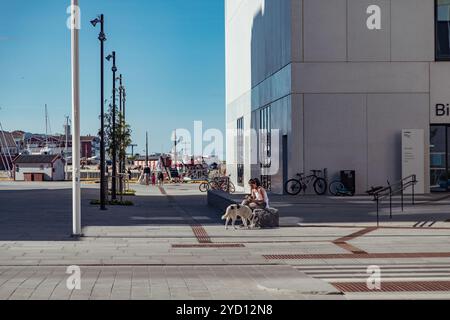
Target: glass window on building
(442, 29)
(265, 146)
(439, 158)
(240, 152)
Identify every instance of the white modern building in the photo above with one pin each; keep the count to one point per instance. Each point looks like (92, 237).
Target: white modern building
(341, 80)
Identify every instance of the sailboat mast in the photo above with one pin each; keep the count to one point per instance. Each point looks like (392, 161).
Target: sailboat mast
(46, 127)
(67, 135)
(176, 142)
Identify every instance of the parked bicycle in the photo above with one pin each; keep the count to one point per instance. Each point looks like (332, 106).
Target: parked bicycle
(205, 186)
(294, 186)
(218, 183)
(338, 189)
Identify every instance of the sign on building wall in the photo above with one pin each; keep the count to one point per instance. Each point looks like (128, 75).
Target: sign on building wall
(440, 113)
(413, 157)
(440, 93)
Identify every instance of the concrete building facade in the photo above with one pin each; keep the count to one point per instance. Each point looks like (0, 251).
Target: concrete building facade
(340, 79)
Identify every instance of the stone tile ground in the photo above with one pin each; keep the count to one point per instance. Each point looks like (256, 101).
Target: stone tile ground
(132, 253)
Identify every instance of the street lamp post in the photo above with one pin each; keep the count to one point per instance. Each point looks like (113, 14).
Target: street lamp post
(124, 95)
(113, 142)
(121, 143)
(132, 149)
(124, 100)
(103, 183)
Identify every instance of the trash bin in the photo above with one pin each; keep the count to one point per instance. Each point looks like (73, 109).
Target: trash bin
(348, 179)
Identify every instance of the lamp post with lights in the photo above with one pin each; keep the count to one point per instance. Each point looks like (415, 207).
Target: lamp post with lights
(113, 141)
(103, 184)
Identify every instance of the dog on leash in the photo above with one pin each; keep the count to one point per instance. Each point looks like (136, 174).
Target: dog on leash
(236, 211)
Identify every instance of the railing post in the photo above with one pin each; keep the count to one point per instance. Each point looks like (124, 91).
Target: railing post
(390, 202)
(402, 195)
(378, 212)
(413, 190)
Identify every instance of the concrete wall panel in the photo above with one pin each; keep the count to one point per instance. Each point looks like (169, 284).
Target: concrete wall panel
(360, 77)
(365, 44)
(325, 30)
(388, 114)
(412, 30)
(336, 135)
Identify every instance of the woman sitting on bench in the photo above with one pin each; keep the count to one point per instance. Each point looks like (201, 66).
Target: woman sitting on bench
(258, 198)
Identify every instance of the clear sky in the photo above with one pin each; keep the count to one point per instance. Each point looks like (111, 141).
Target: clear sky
(171, 54)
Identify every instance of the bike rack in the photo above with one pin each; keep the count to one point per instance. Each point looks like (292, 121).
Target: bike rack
(391, 190)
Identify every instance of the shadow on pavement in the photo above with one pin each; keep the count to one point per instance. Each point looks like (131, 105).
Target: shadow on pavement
(46, 215)
(321, 209)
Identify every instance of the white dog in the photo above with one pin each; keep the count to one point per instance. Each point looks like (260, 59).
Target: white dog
(236, 211)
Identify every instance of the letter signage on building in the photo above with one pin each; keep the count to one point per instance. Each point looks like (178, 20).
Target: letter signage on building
(440, 113)
(413, 157)
(440, 93)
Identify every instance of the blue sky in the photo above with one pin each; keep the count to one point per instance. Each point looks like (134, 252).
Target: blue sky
(171, 54)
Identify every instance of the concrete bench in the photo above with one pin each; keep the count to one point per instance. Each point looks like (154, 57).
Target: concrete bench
(221, 200)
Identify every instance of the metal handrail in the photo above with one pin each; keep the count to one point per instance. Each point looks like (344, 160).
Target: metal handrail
(391, 190)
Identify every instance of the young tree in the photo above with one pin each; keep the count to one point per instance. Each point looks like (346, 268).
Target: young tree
(122, 134)
(124, 137)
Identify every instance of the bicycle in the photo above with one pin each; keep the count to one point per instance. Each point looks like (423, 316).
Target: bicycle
(204, 186)
(338, 189)
(228, 187)
(294, 186)
(225, 184)
(218, 183)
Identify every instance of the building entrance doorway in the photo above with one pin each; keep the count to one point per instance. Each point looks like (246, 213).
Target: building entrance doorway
(440, 158)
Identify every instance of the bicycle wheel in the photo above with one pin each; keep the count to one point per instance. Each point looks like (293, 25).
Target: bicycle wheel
(228, 188)
(293, 187)
(336, 188)
(215, 185)
(232, 188)
(204, 187)
(320, 186)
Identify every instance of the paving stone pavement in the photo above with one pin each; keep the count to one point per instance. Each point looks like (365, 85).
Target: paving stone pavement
(150, 251)
(168, 282)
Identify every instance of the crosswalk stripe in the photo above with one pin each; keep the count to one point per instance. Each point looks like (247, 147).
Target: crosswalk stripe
(357, 273)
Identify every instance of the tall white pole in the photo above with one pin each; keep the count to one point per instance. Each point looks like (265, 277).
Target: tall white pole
(76, 185)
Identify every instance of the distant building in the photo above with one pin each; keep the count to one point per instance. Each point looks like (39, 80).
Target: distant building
(38, 144)
(39, 168)
(8, 150)
(7, 143)
(41, 144)
(90, 146)
(19, 139)
(154, 162)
